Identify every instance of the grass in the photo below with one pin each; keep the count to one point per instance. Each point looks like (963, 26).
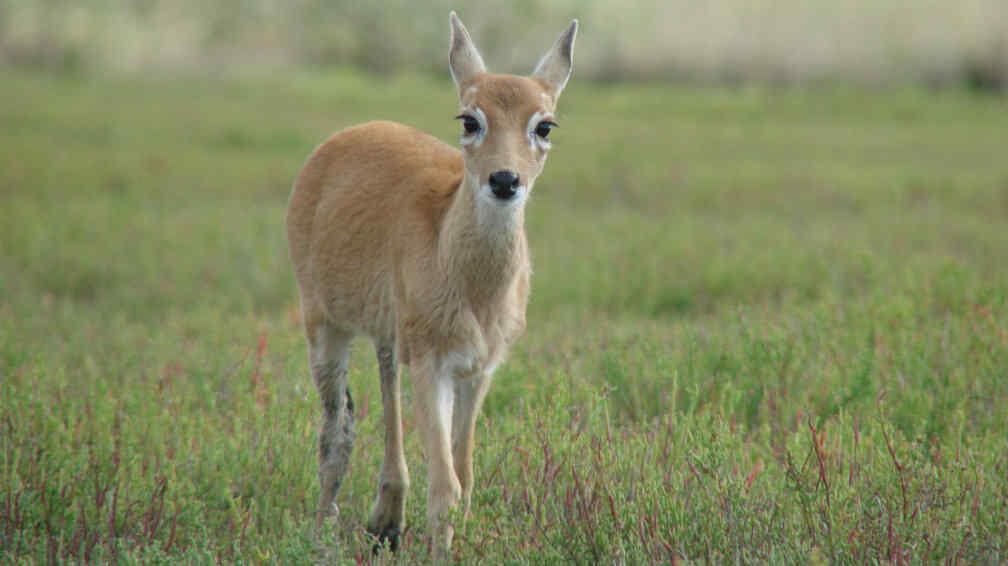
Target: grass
(767, 325)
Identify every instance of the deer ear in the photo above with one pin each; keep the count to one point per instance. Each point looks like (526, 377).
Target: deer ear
(464, 59)
(556, 66)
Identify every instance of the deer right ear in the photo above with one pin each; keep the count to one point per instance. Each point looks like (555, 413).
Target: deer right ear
(555, 68)
(464, 60)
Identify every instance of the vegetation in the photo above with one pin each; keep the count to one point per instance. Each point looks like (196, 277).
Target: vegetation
(727, 41)
(767, 325)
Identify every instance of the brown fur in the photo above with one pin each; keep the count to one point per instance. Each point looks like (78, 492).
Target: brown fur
(392, 236)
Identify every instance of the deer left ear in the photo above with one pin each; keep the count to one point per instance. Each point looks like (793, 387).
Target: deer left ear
(464, 59)
(555, 68)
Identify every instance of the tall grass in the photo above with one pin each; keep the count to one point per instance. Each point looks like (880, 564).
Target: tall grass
(766, 326)
(887, 41)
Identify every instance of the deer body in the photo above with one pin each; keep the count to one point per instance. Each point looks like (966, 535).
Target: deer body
(377, 242)
(400, 237)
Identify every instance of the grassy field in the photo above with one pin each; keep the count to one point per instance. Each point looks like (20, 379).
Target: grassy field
(767, 325)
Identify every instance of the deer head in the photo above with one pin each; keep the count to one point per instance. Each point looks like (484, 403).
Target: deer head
(506, 119)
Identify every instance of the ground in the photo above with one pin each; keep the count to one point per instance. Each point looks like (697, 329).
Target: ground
(766, 325)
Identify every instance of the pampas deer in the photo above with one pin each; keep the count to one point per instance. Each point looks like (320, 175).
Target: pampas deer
(421, 247)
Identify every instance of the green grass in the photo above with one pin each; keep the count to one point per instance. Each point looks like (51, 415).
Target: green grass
(767, 325)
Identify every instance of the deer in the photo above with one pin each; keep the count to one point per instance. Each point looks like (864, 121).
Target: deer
(399, 237)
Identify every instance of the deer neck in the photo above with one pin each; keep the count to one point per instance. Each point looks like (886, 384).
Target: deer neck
(482, 242)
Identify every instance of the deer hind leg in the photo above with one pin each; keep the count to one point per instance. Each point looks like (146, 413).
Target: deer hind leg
(469, 395)
(389, 511)
(328, 352)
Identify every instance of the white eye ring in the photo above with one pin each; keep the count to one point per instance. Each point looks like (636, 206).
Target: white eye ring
(476, 138)
(535, 140)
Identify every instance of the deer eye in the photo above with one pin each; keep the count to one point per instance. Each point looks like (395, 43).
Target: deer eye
(544, 128)
(469, 124)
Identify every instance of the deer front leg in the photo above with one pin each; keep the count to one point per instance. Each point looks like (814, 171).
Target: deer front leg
(435, 398)
(389, 510)
(469, 395)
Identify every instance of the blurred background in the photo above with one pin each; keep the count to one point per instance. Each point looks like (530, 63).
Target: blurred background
(779, 41)
(770, 294)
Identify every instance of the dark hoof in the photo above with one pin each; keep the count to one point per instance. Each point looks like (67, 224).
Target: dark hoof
(390, 534)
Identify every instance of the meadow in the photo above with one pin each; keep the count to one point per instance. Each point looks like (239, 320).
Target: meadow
(766, 325)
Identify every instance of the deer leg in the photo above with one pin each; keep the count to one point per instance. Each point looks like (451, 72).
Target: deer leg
(388, 513)
(469, 395)
(434, 398)
(328, 352)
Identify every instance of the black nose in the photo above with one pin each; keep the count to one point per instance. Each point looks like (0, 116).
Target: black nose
(504, 184)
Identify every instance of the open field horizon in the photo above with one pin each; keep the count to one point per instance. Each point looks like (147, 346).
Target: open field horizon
(875, 42)
(766, 325)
